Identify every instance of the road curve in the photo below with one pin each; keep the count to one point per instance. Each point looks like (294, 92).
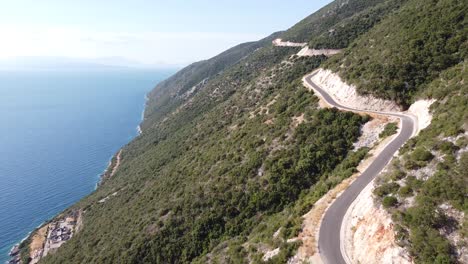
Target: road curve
(329, 234)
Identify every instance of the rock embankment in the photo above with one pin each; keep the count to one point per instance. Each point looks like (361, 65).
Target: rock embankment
(306, 51)
(420, 110)
(347, 95)
(280, 43)
(369, 233)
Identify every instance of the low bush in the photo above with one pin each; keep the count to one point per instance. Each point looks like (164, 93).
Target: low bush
(389, 201)
(405, 191)
(420, 154)
(386, 189)
(390, 129)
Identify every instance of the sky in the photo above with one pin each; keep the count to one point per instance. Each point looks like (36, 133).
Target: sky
(146, 32)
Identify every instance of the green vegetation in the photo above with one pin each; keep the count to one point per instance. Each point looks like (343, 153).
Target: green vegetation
(390, 129)
(389, 201)
(418, 159)
(345, 31)
(316, 27)
(420, 154)
(288, 221)
(386, 189)
(421, 225)
(398, 57)
(235, 149)
(231, 157)
(406, 191)
(24, 250)
(169, 94)
(419, 51)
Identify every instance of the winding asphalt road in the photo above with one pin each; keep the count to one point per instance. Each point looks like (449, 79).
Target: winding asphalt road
(329, 234)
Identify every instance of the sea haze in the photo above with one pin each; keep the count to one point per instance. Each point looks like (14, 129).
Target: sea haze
(58, 131)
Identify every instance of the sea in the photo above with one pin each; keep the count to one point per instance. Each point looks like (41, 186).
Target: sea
(58, 132)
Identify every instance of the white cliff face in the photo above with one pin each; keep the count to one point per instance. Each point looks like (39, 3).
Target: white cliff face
(280, 43)
(307, 52)
(347, 95)
(420, 109)
(368, 233)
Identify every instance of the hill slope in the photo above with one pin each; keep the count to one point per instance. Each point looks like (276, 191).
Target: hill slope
(234, 149)
(212, 163)
(409, 49)
(420, 52)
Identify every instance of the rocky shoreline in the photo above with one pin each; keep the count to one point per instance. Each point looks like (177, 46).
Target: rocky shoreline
(14, 255)
(49, 236)
(46, 239)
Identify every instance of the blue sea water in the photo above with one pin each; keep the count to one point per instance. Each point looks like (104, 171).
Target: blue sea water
(58, 131)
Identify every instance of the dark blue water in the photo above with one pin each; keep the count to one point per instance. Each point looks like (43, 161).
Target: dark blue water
(58, 131)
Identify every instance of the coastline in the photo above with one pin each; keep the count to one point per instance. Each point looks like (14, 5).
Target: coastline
(108, 172)
(117, 156)
(142, 119)
(111, 168)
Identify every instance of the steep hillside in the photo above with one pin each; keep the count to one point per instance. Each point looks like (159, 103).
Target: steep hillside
(215, 163)
(404, 53)
(172, 92)
(346, 29)
(235, 150)
(420, 52)
(425, 188)
(340, 17)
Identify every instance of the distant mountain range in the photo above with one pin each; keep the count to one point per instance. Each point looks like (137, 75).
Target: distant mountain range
(65, 63)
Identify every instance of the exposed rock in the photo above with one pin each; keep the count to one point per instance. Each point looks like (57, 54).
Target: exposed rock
(420, 109)
(308, 251)
(297, 120)
(269, 254)
(368, 233)
(280, 43)
(347, 95)
(370, 131)
(276, 234)
(306, 51)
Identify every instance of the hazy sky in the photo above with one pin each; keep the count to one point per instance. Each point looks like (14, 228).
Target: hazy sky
(150, 32)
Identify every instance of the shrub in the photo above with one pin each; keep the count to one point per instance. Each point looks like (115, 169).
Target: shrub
(401, 233)
(420, 154)
(386, 189)
(413, 182)
(411, 164)
(389, 201)
(390, 129)
(397, 175)
(447, 147)
(406, 191)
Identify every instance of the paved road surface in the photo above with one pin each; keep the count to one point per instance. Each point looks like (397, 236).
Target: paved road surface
(329, 236)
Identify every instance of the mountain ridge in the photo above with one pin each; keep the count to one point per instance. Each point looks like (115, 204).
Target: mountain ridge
(235, 150)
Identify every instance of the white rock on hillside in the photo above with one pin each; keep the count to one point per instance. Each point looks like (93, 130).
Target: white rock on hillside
(369, 235)
(280, 43)
(347, 95)
(420, 109)
(306, 51)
